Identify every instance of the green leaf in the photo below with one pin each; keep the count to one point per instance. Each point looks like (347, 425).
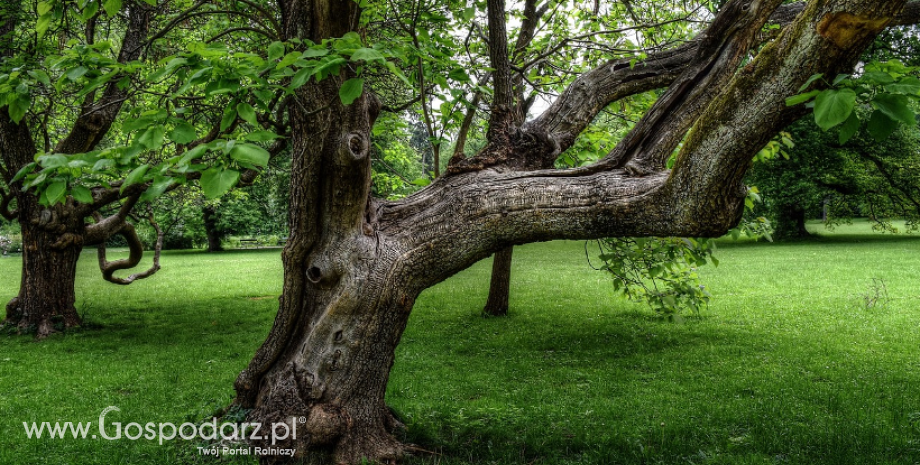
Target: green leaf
(421, 182)
(330, 66)
(288, 60)
(216, 181)
(157, 189)
(19, 107)
(76, 73)
(52, 161)
(183, 133)
(261, 136)
(223, 86)
(366, 54)
(23, 172)
(250, 154)
(833, 107)
(152, 138)
(351, 90)
(810, 80)
(315, 52)
(909, 86)
(135, 124)
(135, 176)
(228, 118)
(801, 98)
(192, 154)
(43, 8)
(878, 77)
(40, 76)
(95, 83)
(55, 191)
(112, 7)
(81, 194)
(840, 78)
(103, 164)
(247, 113)
(895, 107)
(849, 129)
(459, 74)
(300, 78)
(275, 50)
(881, 126)
(42, 25)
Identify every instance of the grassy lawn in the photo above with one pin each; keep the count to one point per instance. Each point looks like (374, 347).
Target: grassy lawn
(789, 364)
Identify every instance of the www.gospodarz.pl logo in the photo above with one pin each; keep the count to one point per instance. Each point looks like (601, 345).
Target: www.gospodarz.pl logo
(209, 431)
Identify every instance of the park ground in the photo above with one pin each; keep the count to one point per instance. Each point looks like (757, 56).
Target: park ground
(809, 353)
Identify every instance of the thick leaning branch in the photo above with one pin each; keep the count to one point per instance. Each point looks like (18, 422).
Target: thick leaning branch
(701, 197)
(588, 95)
(828, 38)
(722, 47)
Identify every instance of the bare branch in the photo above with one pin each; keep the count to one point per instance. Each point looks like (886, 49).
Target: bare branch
(401, 107)
(244, 28)
(460, 144)
(5, 199)
(103, 229)
(182, 16)
(562, 43)
(136, 253)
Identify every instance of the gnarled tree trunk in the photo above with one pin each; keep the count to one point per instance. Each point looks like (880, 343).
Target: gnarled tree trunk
(51, 245)
(354, 265)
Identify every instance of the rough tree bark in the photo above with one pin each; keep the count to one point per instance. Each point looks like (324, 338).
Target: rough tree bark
(51, 247)
(355, 265)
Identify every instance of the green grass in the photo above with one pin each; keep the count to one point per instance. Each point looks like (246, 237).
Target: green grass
(787, 365)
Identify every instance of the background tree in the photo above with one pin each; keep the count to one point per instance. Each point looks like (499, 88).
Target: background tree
(89, 106)
(824, 179)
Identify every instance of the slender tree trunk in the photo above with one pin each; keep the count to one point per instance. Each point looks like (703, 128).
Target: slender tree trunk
(209, 215)
(500, 286)
(51, 245)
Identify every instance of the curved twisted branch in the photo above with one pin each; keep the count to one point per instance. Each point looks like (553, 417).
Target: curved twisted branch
(5, 199)
(134, 257)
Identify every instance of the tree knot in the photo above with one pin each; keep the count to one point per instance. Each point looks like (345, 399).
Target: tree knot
(845, 29)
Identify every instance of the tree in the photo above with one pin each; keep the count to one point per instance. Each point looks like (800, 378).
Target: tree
(354, 264)
(863, 177)
(68, 139)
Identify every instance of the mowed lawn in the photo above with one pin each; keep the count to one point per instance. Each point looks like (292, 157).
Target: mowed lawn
(799, 359)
